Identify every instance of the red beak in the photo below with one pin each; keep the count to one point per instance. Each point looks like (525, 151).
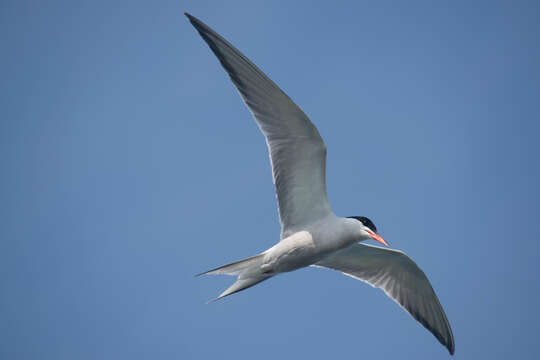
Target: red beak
(378, 238)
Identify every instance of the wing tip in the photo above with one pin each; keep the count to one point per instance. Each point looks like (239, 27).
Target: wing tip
(195, 22)
(451, 346)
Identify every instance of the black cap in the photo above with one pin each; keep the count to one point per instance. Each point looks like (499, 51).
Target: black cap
(364, 220)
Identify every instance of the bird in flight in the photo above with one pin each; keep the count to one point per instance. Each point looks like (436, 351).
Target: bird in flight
(311, 234)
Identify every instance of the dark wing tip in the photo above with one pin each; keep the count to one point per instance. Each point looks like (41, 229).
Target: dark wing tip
(451, 347)
(195, 22)
(204, 30)
(446, 338)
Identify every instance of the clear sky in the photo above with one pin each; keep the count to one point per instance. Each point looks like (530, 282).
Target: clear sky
(129, 163)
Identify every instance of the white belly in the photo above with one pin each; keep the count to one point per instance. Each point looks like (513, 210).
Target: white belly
(294, 252)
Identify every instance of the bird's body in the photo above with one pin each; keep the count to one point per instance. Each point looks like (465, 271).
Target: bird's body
(307, 247)
(311, 234)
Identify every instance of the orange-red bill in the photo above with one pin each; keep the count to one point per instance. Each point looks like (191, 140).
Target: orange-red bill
(378, 238)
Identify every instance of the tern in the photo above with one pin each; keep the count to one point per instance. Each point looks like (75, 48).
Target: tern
(311, 234)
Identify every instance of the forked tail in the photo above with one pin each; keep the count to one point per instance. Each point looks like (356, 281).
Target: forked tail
(248, 271)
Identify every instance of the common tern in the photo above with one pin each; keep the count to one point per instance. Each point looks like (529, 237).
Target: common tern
(311, 235)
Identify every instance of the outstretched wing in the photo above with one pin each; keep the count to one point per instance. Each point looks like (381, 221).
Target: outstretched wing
(400, 278)
(297, 151)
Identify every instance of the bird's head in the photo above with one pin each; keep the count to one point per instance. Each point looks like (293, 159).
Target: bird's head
(369, 230)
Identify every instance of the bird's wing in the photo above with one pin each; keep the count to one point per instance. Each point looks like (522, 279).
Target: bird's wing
(400, 278)
(297, 151)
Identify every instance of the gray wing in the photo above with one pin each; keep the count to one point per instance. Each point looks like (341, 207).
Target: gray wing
(297, 151)
(400, 278)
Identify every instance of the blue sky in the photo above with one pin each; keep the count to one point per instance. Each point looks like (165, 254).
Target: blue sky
(129, 163)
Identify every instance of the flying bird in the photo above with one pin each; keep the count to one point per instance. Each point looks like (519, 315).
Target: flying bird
(311, 234)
